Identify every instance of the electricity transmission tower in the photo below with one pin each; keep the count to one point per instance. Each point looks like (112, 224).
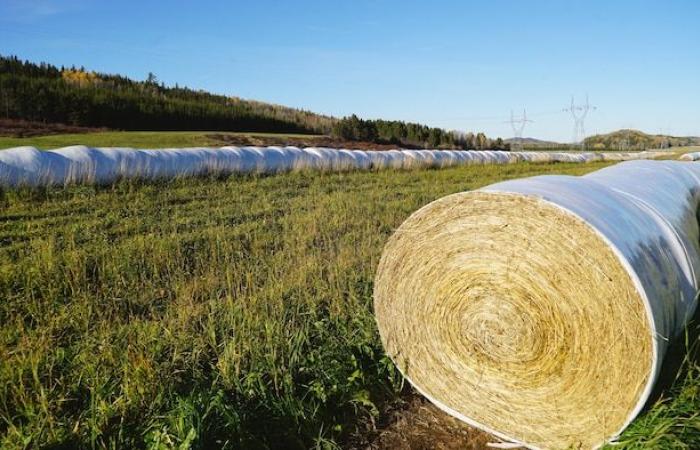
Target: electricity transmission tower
(664, 140)
(518, 126)
(579, 113)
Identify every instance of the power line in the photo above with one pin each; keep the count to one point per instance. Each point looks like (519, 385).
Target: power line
(499, 119)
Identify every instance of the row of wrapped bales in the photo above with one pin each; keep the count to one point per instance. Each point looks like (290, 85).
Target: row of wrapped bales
(694, 156)
(541, 309)
(80, 164)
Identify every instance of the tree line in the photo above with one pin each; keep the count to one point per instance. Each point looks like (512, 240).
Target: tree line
(412, 135)
(636, 140)
(75, 96)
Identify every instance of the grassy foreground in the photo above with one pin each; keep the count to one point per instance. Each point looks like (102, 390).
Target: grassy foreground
(137, 139)
(230, 313)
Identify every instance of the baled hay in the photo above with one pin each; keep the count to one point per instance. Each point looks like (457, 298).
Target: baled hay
(516, 316)
(540, 309)
(27, 166)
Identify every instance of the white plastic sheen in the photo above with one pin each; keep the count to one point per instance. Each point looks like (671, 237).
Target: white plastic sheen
(694, 156)
(646, 211)
(80, 164)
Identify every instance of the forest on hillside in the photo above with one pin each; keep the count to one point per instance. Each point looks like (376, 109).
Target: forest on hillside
(625, 140)
(412, 135)
(77, 97)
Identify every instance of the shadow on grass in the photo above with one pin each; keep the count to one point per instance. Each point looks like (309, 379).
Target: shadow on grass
(682, 353)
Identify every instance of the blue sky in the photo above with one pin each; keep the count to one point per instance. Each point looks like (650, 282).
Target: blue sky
(454, 64)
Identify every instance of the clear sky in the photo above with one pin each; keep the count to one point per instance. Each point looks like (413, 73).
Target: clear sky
(454, 64)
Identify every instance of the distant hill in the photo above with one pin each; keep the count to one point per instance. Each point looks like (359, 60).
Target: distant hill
(627, 139)
(530, 142)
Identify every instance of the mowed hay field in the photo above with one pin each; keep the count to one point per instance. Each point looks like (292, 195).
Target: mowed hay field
(140, 139)
(224, 313)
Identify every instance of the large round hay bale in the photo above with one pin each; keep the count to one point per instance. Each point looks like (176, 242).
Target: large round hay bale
(540, 309)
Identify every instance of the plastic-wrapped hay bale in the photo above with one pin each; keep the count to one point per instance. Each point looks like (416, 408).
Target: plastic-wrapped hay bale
(540, 309)
(467, 157)
(85, 165)
(590, 157)
(561, 157)
(489, 156)
(251, 159)
(350, 159)
(524, 156)
(394, 159)
(694, 156)
(307, 158)
(290, 155)
(21, 165)
(428, 158)
(440, 159)
(499, 157)
(294, 154)
(274, 160)
(478, 157)
(329, 159)
(175, 162)
(461, 157)
(456, 158)
(80, 164)
(484, 157)
(363, 160)
(542, 157)
(379, 160)
(412, 159)
(447, 159)
(576, 158)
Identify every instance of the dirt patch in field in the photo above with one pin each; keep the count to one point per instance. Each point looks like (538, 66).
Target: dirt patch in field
(311, 141)
(26, 128)
(418, 425)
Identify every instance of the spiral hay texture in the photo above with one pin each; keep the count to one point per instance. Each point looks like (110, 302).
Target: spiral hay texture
(540, 309)
(85, 165)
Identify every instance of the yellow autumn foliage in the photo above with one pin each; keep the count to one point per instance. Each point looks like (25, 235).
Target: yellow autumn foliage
(79, 77)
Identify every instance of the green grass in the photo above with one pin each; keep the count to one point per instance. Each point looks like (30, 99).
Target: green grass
(673, 421)
(689, 149)
(218, 313)
(138, 139)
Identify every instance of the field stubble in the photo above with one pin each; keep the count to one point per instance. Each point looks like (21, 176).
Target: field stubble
(233, 313)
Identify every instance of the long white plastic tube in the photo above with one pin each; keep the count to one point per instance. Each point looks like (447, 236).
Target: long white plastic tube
(80, 164)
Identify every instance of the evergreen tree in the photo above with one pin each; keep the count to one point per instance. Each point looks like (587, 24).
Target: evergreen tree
(43, 92)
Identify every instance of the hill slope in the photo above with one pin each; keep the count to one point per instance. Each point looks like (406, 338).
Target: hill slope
(530, 142)
(41, 94)
(46, 93)
(637, 140)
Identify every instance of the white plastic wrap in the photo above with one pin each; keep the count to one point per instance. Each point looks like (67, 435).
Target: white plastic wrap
(80, 164)
(693, 156)
(646, 212)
